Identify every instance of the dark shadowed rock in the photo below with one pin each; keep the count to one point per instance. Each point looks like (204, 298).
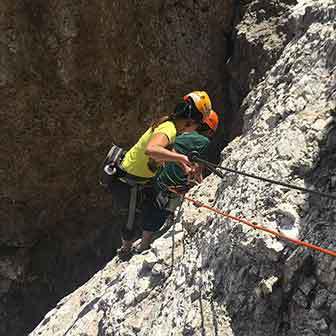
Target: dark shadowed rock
(75, 76)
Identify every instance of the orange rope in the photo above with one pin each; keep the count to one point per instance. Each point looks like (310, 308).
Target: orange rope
(259, 227)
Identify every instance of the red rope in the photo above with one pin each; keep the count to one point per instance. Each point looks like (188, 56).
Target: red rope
(259, 227)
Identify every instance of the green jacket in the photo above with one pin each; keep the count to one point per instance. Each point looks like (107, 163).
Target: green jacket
(171, 174)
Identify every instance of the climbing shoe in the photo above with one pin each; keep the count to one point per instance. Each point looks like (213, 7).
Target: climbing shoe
(124, 254)
(138, 249)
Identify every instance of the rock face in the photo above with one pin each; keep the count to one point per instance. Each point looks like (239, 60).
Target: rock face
(227, 279)
(261, 32)
(76, 76)
(73, 77)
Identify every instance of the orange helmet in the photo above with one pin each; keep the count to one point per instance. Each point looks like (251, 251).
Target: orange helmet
(212, 120)
(201, 101)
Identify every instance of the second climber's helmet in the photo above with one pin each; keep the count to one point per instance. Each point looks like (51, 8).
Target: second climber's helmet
(212, 120)
(201, 101)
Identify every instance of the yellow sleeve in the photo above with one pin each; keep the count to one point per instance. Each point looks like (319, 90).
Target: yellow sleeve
(167, 128)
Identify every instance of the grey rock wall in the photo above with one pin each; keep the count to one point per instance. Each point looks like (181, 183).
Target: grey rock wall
(261, 31)
(228, 279)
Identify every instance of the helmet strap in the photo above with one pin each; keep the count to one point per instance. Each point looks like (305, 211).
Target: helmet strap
(187, 110)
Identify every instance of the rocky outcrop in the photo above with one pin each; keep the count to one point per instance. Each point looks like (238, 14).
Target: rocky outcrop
(261, 31)
(221, 277)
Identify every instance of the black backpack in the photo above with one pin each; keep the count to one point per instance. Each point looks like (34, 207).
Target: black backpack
(110, 166)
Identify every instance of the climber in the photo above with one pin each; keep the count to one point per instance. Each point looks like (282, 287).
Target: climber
(142, 161)
(156, 211)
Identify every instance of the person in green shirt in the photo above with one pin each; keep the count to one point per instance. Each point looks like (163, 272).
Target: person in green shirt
(172, 175)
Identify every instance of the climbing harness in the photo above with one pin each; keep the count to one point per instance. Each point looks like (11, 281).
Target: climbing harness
(132, 207)
(111, 172)
(137, 187)
(195, 157)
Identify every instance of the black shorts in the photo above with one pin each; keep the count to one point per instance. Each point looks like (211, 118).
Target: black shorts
(154, 216)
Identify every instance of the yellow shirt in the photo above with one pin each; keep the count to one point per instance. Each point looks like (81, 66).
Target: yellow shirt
(136, 161)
